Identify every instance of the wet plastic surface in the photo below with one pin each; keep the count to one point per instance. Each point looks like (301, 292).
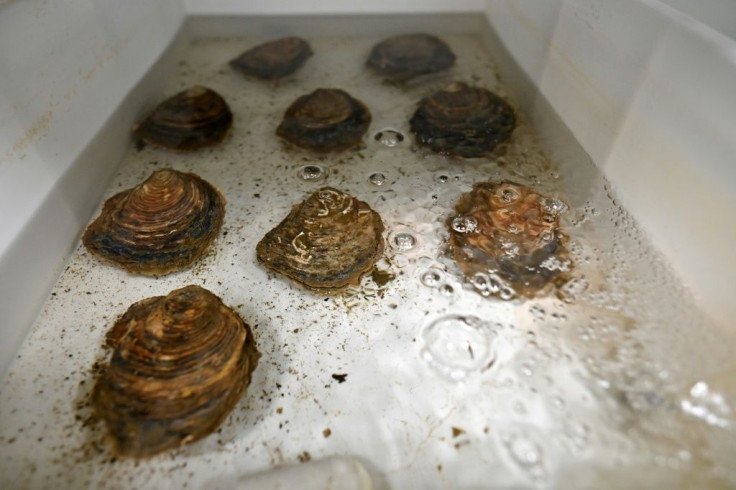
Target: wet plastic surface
(575, 385)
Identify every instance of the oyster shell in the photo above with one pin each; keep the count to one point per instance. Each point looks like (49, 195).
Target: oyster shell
(463, 121)
(325, 243)
(160, 226)
(195, 118)
(324, 121)
(505, 229)
(180, 364)
(410, 55)
(274, 59)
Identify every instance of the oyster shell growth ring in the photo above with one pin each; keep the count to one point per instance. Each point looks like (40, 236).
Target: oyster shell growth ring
(195, 118)
(504, 229)
(180, 364)
(463, 121)
(410, 55)
(325, 243)
(274, 59)
(324, 121)
(160, 226)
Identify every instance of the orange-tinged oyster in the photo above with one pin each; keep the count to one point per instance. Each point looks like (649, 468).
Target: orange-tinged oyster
(274, 59)
(325, 243)
(160, 226)
(180, 364)
(324, 121)
(195, 118)
(508, 231)
(463, 121)
(410, 55)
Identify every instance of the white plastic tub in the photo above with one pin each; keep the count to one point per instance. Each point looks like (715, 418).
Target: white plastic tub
(645, 90)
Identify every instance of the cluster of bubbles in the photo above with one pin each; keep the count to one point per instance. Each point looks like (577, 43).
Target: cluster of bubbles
(434, 278)
(490, 283)
(464, 224)
(708, 405)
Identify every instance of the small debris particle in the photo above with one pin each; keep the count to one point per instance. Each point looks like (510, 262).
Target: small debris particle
(456, 431)
(279, 410)
(340, 378)
(304, 457)
(327, 433)
(439, 467)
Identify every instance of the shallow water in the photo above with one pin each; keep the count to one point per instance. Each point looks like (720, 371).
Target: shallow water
(614, 379)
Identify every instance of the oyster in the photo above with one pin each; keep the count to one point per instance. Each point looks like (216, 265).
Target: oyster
(463, 121)
(325, 243)
(180, 364)
(325, 120)
(410, 55)
(162, 225)
(274, 59)
(195, 118)
(506, 230)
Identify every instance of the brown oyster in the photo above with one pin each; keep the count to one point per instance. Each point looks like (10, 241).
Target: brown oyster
(180, 364)
(195, 118)
(505, 230)
(324, 121)
(325, 243)
(274, 59)
(463, 121)
(160, 226)
(410, 55)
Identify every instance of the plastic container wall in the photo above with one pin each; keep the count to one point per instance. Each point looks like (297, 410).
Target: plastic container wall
(648, 92)
(65, 67)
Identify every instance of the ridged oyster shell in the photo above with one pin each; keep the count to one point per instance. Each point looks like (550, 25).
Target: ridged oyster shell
(325, 120)
(507, 230)
(160, 226)
(273, 59)
(180, 364)
(463, 121)
(410, 55)
(192, 119)
(325, 243)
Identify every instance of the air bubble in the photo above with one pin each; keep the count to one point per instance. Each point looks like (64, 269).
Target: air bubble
(457, 345)
(389, 137)
(442, 178)
(526, 370)
(526, 454)
(464, 224)
(546, 236)
(446, 290)
(431, 278)
(311, 173)
(506, 293)
(480, 281)
(377, 178)
(403, 241)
